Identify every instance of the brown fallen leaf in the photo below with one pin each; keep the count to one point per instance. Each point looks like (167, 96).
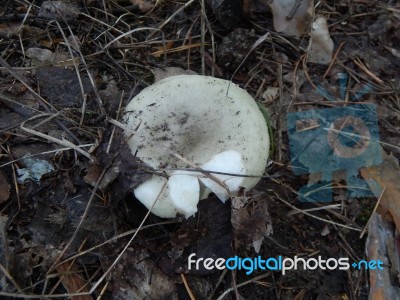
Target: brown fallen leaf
(386, 176)
(161, 51)
(382, 243)
(250, 220)
(145, 6)
(73, 282)
(4, 188)
(321, 45)
(292, 17)
(59, 10)
(94, 173)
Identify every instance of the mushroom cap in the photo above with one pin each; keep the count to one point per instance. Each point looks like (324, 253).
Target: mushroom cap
(210, 122)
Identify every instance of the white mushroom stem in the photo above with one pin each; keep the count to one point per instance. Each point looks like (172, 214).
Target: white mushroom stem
(210, 122)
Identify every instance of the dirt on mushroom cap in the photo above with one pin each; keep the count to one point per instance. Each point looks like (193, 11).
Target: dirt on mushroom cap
(197, 117)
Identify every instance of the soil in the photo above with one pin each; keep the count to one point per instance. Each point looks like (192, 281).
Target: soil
(70, 226)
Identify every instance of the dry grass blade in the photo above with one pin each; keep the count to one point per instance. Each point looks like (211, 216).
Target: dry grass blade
(113, 130)
(373, 211)
(358, 62)
(333, 206)
(253, 280)
(110, 49)
(76, 66)
(254, 46)
(128, 34)
(89, 74)
(12, 280)
(187, 4)
(64, 143)
(4, 246)
(94, 287)
(161, 52)
(14, 101)
(117, 237)
(83, 217)
(39, 98)
(187, 287)
(355, 227)
(44, 153)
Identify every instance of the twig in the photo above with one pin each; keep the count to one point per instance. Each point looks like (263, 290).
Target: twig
(187, 287)
(114, 238)
(314, 216)
(90, 76)
(217, 284)
(222, 296)
(7, 98)
(203, 33)
(293, 10)
(129, 33)
(279, 114)
(16, 186)
(43, 153)
(373, 211)
(172, 16)
(129, 242)
(9, 277)
(332, 206)
(103, 290)
(358, 62)
(5, 247)
(333, 60)
(254, 46)
(83, 217)
(113, 130)
(43, 103)
(55, 140)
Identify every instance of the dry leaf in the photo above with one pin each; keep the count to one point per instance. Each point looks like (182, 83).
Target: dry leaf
(292, 17)
(62, 86)
(4, 188)
(320, 48)
(387, 176)
(381, 245)
(59, 10)
(144, 6)
(270, 94)
(250, 220)
(9, 30)
(43, 57)
(94, 172)
(73, 282)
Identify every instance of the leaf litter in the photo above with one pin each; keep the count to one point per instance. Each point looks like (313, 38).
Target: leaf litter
(250, 220)
(80, 226)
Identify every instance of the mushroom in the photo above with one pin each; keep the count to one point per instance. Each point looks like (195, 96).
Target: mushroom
(201, 123)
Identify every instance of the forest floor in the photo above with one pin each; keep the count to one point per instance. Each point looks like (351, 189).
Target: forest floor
(70, 226)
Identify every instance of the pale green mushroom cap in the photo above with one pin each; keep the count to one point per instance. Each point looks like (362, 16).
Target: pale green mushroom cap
(210, 122)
